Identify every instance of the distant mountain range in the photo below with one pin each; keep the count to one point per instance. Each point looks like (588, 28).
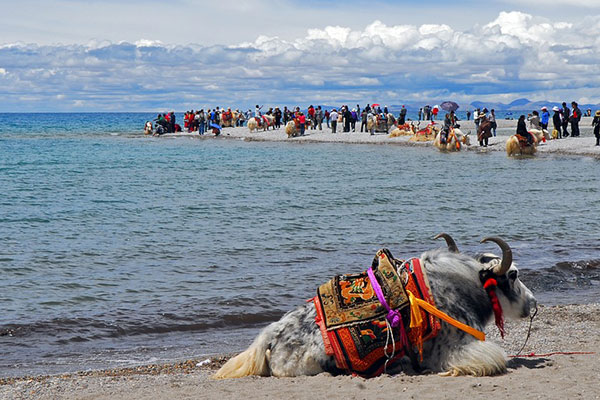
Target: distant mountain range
(517, 105)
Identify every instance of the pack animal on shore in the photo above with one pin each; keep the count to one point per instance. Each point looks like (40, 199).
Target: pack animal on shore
(426, 134)
(264, 122)
(408, 129)
(294, 345)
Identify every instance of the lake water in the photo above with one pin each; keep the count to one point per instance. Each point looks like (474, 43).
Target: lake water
(119, 249)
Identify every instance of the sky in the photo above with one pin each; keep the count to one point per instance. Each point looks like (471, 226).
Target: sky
(118, 55)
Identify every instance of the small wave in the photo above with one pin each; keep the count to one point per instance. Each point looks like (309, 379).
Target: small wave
(62, 331)
(564, 276)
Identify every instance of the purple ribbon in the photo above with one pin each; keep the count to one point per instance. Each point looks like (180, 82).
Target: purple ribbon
(394, 317)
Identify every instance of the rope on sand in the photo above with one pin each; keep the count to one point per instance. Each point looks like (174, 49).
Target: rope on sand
(554, 353)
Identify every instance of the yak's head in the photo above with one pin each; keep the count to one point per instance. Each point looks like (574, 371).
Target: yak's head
(516, 299)
(466, 139)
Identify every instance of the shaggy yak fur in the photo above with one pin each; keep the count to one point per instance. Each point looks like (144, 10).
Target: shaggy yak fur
(403, 130)
(293, 346)
(267, 121)
(450, 145)
(513, 147)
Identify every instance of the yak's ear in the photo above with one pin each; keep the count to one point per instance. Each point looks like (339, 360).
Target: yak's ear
(485, 259)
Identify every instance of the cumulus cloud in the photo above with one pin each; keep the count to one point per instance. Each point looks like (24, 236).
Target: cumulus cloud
(516, 54)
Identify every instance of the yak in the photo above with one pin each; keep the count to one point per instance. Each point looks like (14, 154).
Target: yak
(294, 346)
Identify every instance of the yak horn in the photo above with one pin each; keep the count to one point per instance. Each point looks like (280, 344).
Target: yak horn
(506, 255)
(452, 247)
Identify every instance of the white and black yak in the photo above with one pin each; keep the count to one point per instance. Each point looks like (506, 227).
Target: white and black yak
(294, 346)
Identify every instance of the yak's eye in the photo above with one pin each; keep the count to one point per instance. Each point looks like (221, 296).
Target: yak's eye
(512, 275)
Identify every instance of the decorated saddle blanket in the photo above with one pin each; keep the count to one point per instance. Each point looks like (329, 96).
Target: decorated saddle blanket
(353, 321)
(523, 142)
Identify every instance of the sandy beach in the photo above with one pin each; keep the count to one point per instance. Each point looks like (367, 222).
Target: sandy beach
(581, 146)
(556, 365)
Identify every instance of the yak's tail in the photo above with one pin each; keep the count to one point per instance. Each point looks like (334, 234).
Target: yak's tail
(253, 361)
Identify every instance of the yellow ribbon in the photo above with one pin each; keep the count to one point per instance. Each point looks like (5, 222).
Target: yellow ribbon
(416, 319)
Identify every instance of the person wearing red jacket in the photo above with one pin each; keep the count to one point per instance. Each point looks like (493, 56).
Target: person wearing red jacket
(302, 122)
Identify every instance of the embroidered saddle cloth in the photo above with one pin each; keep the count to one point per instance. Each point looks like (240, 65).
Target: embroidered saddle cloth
(353, 321)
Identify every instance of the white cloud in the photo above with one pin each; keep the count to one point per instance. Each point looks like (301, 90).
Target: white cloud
(516, 53)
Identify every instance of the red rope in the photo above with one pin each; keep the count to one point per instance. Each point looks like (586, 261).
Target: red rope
(562, 353)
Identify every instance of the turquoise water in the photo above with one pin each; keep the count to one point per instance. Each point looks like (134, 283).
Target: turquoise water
(119, 248)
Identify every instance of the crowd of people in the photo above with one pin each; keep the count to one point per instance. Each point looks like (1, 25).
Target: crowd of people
(202, 121)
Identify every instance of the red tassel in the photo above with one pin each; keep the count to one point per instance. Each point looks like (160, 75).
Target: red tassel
(489, 286)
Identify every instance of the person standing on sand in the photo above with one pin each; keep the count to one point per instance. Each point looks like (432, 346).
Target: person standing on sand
(575, 118)
(566, 114)
(557, 121)
(172, 120)
(334, 118)
(285, 116)
(363, 120)
(201, 121)
(327, 116)
(484, 132)
(319, 117)
(402, 118)
(492, 120)
(311, 116)
(302, 122)
(596, 125)
(278, 116)
(468, 115)
(545, 118)
(347, 116)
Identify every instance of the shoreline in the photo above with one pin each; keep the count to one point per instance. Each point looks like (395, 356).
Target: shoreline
(580, 146)
(570, 330)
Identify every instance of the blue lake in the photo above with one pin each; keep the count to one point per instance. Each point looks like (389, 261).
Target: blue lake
(119, 248)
